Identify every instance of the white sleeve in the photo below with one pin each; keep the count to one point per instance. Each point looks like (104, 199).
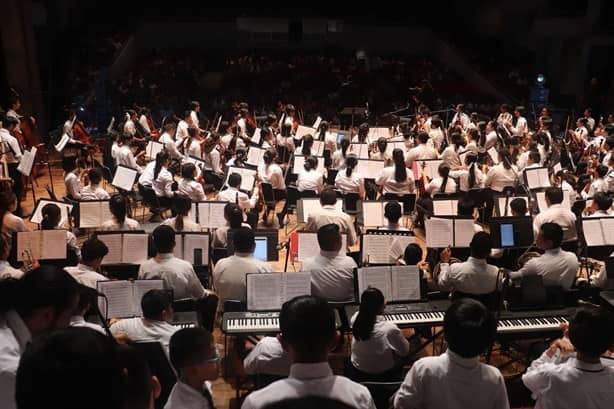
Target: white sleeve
(409, 395)
(15, 147)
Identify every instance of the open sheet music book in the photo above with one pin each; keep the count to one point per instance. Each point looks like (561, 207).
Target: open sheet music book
(62, 143)
(444, 207)
(373, 213)
(361, 150)
(599, 231)
(248, 177)
(537, 178)
(299, 164)
(41, 244)
(556, 167)
(27, 161)
(494, 155)
(541, 200)
(123, 297)
(209, 214)
(189, 245)
(308, 245)
(316, 124)
(378, 132)
(385, 246)
(397, 283)
(255, 156)
(303, 130)
(453, 232)
(268, 291)
(391, 146)
(369, 168)
(124, 247)
(257, 136)
(93, 213)
(153, 148)
(124, 178)
(501, 204)
(65, 209)
(308, 205)
(430, 167)
(317, 149)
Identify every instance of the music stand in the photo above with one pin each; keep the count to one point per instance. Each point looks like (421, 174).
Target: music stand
(353, 111)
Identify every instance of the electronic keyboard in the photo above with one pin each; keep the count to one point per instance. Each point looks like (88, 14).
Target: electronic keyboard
(256, 323)
(418, 314)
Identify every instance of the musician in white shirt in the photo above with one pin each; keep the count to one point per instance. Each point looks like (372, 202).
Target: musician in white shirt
(470, 176)
(504, 115)
(267, 358)
(491, 136)
(168, 139)
(556, 213)
(234, 220)
(188, 186)
(436, 135)
(270, 172)
(307, 333)
(93, 191)
(502, 175)
(72, 178)
(348, 180)
(12, 154)
(125, 157)
(601, 206)
(233, 195)
(92, 253)
(590, 121)
(422, 151)
(119, 207)
(182, 126)
(212, 156)
(163, 180)
(521, 128)
(599, 184)
(581, 133)
(182, 222)
(396, 179)
(461, 117)
(329, 214)
(443, 183)
(194, 111)
(192, 146)
(457, 379)
(284, 138)
(129, 127)
(310, 177)
(339, 156)
(450, 155)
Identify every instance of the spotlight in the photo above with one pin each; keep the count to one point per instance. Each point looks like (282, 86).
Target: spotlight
(82, 109)
(540, 79)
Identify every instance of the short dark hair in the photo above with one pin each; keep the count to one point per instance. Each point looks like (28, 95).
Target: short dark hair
(95, 175)
(604, 202)
(423, 137)
(591, 331)
(154, 302)
(307, 323)
(91, 249)
(481, 245)
(164, 239)
(188, 346)
(69, 163)
(465, 206)
(602, 170)
(234, 179)
(535, 157)
(552, 232)
(138, 388)
(328, 196)
(412, 254)
(243, 240)
(519, 205)
(554, 195)
(328, 236)
(469, 327)
(393, 212)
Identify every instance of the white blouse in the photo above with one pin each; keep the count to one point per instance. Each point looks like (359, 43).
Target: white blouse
(352, 184)
(192, 189)
(272, 174)
(310, 180)
(162, 184)
(391, 185)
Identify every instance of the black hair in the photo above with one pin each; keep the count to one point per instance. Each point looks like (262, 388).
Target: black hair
(345, 144)
(329, 236)
(286, 130)
(307, 144)
(393, 212)
(164, 239)
(591, 331)
(469, 328)
(412, 254)
(92, 249)
(363, 132)
(470, 160)
(161, 158)
(457, 140)
(234, 215)
(553, 233)
(382, 145)
(137, 385)
(400, 171)
(194, 105)
(7, 198)
(189, 346)
(465, 206)
(518, 206)
(69, 163)
(234, 179)
(506, 159)
(328, 196)
(243, 240)
(444, 172)
(350, 163)
(187, 171)
(154, 302)
(604, 202)
(602, 170)
(534, 157)
(480, 245)
(610, 141)
(371, 305)
(311, 163)
(554, 195)
(95, 176)
(186, 114)
(182, 205)
(423, 137)
(307, 323)
(118, 207)
(269, 157)
(51, 216)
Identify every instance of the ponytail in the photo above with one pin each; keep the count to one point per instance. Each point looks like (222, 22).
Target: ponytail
(472, 176)
(505, 159)
(161, 158)
(400, 171)
(444, 171)
(181, 205)
(350, 164)
(345, 144)
(371, 305)
(118, 208)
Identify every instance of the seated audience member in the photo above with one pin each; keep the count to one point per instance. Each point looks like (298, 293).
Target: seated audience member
(329, 214)
(377, 344)
(93, 191)
(155, 325)
(197, 363)
(178, 275)
(234, 195)
(601, 206)
(86, 272)
(87, 298)
(457, 378)
(10, 223)
(6, 270)
(52, 217)
(267, 358)
(556, 213)
(392, 213)
(120, 221)
(332, 276)
(72, 178)
(474, 276)
(182, 221)
(42, 300)
(556, 266)
(563, 379)
(229, 273)
(234, 220)
(307, 326)
(188, 185)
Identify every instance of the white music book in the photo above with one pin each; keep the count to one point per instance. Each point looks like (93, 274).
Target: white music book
(123, 298)
(124, 248)
(441, 233)
(65, 209)
(317, 149)
(248, 177)
(541, 200)
(93, 213)
(384, 248)
(41, 245)
(124, 178)
(361, 150)
(494, 155)
(391, 146)
(268, 291)
(27, 161)
(316, 124)
(62, 143)
(153, 148)
(308, 205)
(255, 156)
(445, 207)
(257, 136)
(369, 168)
(537, 178)
(187, 242)
(379, 132)
(397, 283)
(211, 214)
(557, 167)
(299, 164)
(308, 245)
(501, 204)
(430, 167)
(303, 131)
(373, 213)
(599, 232)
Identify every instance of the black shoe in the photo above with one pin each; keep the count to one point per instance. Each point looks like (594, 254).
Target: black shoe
(280, 219)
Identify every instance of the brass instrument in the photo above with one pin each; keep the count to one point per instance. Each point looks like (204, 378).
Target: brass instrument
(28, 261)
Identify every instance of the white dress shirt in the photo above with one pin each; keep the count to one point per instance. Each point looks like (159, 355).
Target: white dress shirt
(332, 275)
(182, 130)
(565, 382)
(10, 145)
(85, 275)
(233, 195)
(144, 123)
(310, 180)
(94, 192)
(557, 267)
(189, 225)
(311, 380)
(267, 357)
(115, 151)
(434, 186)
(162, 184)
(560, 215)
(113, 224)
(597, 185)
(129, 127)
(288, 142)
(450, 381)
(14, 336)
(213, 163)
(377, 354)
(183, 396)
(171, 145)
(229, 275)
(272, 174)
(73, 186)
(498, 177)
(191, 147)
(329, 214)
(463, 118)
(352, 184)
(330, 142)
(474, 276)
(126, 158)
(195, 120)
(11, 224)
(463, 179)
(491, 140)
(145, 330)
(220, 235)
(7, 271)
(450, 156)
(390, 185)
(178, 275)
(435, 138)
(79, 321)
(420, 152)
(192, 189)
(520, 128)
(338, 160)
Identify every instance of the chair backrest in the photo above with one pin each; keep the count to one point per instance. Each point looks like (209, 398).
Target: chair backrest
(489, 300)
(149, 197)
(292, 195)
(350, 202)
(331, 176)
(267, 192)
(381, 392)
(308, 193)
(531, 295)
(160, 368)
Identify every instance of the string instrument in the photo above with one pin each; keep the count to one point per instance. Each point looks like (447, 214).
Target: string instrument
(422, 182)
(29, 139)
(155, 132)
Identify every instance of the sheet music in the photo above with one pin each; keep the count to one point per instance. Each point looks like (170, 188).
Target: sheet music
(295, 285)
(494, 155)
(317, 149)
(114, 244)
(377, 277)
(211, 215)
(30, 241)
(255, 155)
(62, 143)
(299, 164)
(178, 250)
(501, 204)
(153, 148)
(93, 214)
(541, 200)
(557, 167)
(140, 287)
(593, 232)
(379, 132)
(361, 150)
(124, 178)
(316, 124)
(537, 178)
(607, 224)
(463, 232)
(399, 244)
(119, 299)
(134, 248)
(308, 245)
(65, 210)
(256, 137)
(196, 241)
(375, 248)
(50, 250)
(369, 169)
(27, 161)
(264, 291)
(445, 207)
(405, 283)
(439, 232)
(373, 214)
(303, 131)
(248, 177)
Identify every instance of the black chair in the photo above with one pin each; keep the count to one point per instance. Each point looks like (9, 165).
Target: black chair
(160, 368)
(269, 198)
(308, 194)
(218, 253)
(381, 392)
(151, 200)
(350, 203)
(205, 309)
(408, 200)
(331, 176)
(490, 300)
(292, 198)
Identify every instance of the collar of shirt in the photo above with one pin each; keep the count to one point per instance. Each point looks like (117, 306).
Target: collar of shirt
(84, 268)
(245, 255)
(310, 371)
(480, 261)
(464, 362)
(165, 256)
(329, 254)
(21, 331)
(586, 366)
(76, 319)
(553, 252)
(3, 264)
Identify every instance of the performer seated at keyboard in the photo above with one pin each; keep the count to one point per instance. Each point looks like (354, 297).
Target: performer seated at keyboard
(570, 374)
(267, 358)
(377, 345)
(93, 191)
(92, 253)
(392, 213)
(558, 214)
(118, 206)
(457, 379)
(329, 214)
(229, 274)
(177, 274)
(556, 266)
(197, 362)
(332, 276)
(307, 333)
(182, 222)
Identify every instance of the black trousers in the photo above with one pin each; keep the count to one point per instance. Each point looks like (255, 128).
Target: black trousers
(18, 186)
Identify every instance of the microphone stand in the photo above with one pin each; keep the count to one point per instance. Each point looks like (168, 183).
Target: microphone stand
(500, 301)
